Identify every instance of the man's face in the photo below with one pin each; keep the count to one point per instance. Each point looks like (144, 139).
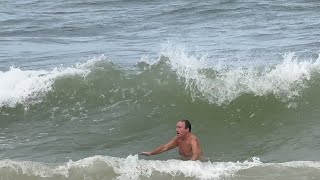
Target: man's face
(181, 129)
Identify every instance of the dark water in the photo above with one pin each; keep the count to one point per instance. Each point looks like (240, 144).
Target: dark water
(86, 85)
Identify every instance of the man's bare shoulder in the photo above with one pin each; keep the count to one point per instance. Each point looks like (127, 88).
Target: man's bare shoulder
(194, 138)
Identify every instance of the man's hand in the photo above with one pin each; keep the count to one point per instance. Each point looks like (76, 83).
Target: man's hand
(145, 153)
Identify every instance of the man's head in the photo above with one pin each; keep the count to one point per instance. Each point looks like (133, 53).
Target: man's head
(183, 127)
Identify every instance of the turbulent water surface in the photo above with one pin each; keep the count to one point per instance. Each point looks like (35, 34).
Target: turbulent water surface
(85, 86)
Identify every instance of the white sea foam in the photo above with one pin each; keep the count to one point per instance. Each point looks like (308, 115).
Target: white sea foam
(134, 168)
(285, 80)
(28, 86)
(130, 168)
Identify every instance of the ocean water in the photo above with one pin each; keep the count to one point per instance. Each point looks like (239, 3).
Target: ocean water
(87, 85)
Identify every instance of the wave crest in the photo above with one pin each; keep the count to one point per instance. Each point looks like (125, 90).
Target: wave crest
(285, 80)
(30, 86)
(175, 71)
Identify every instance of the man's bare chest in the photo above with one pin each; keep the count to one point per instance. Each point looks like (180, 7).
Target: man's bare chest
(185, 148)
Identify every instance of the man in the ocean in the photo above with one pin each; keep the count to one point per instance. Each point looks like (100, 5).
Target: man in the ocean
(188, 143)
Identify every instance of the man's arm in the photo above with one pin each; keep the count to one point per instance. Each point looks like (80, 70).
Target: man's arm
(196, 149)
(170, 145)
